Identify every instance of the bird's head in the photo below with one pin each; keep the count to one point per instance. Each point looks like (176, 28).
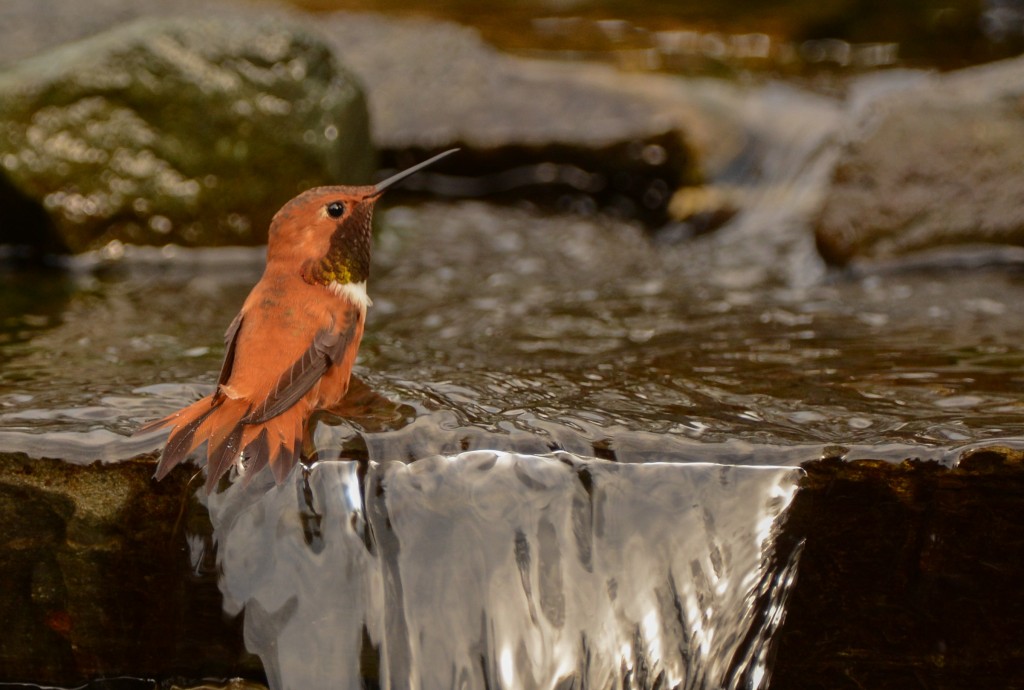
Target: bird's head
(325, 231)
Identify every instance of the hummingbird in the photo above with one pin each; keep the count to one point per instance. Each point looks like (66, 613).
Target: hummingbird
(289, 352)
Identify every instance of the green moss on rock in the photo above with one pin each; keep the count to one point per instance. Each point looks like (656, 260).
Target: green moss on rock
(175, 130)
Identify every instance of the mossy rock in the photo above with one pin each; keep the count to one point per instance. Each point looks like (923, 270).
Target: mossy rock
(191, 131)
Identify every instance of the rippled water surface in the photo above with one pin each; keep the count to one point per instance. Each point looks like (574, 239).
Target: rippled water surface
(496, 327)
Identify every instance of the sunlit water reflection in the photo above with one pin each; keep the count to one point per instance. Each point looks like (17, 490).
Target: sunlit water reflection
(504, 570)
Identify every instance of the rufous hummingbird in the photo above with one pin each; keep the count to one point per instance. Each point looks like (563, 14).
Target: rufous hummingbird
(290, 350)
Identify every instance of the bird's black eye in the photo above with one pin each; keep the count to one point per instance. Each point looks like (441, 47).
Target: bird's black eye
(335, 209)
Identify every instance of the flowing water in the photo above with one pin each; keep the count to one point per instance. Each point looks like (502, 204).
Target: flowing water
(588, 437)
(491, 569)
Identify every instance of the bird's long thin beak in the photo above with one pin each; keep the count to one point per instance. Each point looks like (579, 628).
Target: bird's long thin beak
(381, 186)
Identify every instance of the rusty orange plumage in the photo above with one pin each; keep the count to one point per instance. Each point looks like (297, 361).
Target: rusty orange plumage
(290, 350)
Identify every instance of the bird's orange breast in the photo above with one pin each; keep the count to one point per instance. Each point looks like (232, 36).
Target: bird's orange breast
(280, 319)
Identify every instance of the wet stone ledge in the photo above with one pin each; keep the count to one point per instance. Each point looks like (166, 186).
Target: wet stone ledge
(99, 580)
(910, 575)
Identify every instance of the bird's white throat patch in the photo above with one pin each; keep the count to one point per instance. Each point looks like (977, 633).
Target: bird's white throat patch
(355, 292)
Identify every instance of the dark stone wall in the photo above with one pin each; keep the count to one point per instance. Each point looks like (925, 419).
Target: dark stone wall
(98, 580)
(910, 576)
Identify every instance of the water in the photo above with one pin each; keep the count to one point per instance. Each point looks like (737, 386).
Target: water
(587, 436)
(488, 332)
(506, 570)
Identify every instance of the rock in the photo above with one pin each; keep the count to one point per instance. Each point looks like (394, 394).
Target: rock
(940, 164)
(96, 582)
(28, 28)
(564, 131)
(192, 131)
(909, 575)
(434, 84)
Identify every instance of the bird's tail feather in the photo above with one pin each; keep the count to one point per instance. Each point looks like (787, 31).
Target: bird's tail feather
(276, 442)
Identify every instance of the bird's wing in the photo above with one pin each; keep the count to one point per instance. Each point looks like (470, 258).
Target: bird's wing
(230, 339)
(328, 347)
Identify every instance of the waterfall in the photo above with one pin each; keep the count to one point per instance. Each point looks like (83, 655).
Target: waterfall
(502, 570)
